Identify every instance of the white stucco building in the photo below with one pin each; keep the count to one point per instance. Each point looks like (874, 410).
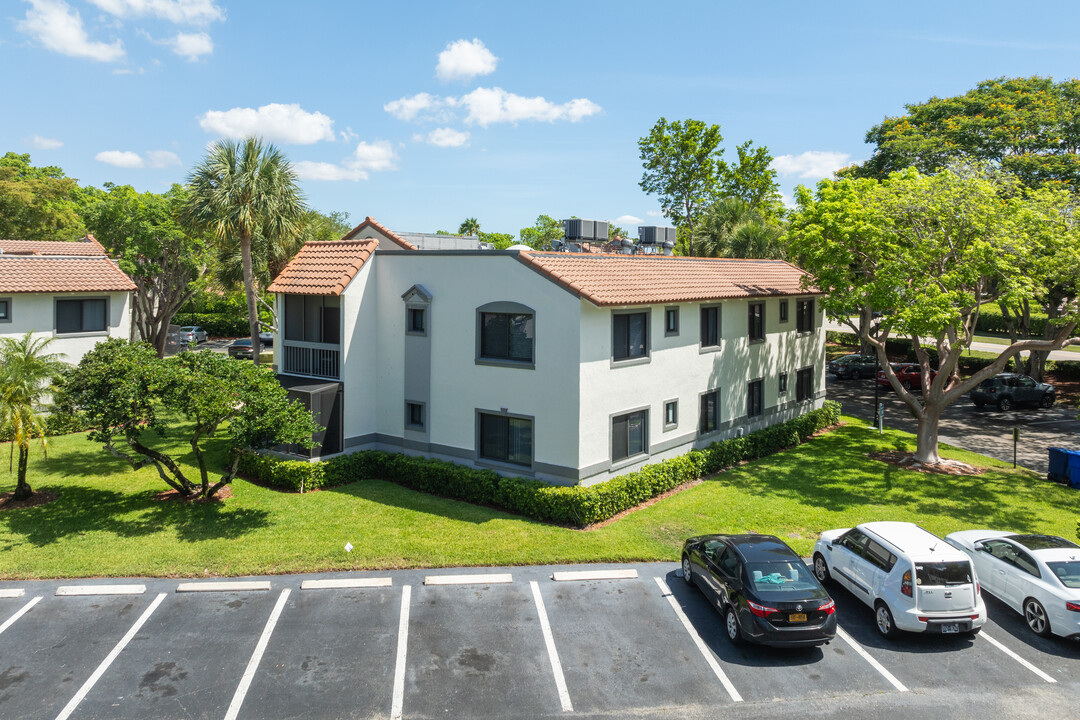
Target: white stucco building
(69, 291)
(571, 368)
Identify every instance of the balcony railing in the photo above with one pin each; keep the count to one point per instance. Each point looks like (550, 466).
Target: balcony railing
(314, 359)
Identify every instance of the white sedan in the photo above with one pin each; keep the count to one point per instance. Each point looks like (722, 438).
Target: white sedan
(1036, 575)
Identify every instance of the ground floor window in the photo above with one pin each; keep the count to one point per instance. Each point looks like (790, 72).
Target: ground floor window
(755, 397)
(804, 384)
(506, 439)
(710, 412)
(414, 415)
(629, 435)
(671, 412)
(783, 384)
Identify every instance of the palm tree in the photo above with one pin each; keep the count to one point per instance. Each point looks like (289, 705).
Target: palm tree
(469, 226)
(26, 374)
(732, 227)
(242, 190)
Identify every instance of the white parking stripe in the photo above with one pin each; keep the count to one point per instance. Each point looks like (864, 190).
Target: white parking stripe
(487, 579)
(402, 646)
(1017, 658)
(594, 575)
(842, 634)
(701, 646)
(553, 654)
(74, 702)
(256, 657)
(12, 592)
(21, 611)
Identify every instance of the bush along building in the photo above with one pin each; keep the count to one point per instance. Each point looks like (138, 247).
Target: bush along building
(567, 367)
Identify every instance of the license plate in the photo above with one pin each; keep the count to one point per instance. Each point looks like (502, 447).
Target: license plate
(950, 628)
(796, 617)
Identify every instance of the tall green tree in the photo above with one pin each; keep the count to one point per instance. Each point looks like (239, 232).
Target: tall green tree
(38, 203)
(469, 226)
(752, 179)
(732, 227)
(930, 251)
(242, 190)
(681, 163)
(162, 257)
(27, 372)
(541, 234)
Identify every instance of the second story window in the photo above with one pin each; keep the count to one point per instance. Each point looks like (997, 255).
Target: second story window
(630, 336)
(784, 310)
(78, 316)
(506, 336)
(710, 326)
(671, 321)
(804, 316)
(313, 318)
(415, 321)
(757, 322)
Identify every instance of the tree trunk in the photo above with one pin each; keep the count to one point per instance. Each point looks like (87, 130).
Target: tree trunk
(866, 319)
(249, 290)
(926, 435)
(1037, 364)
(23, 490)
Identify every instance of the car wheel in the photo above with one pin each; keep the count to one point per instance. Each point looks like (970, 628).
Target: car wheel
(856, 375)
(1035, 615)
(687, 573)
(884, 619)
(821, 569)
(731, 625)
(1005, 404)
(1047, 400)
(906, 385)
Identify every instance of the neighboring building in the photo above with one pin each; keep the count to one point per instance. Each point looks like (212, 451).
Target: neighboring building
(571, 368)
(70, 291)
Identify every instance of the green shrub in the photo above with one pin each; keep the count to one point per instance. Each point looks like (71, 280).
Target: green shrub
(575, 505)
(216, 324)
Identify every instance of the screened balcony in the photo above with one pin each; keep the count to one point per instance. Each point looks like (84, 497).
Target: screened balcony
(312, 344)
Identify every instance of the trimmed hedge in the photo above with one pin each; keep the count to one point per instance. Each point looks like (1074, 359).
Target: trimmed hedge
(216, 324)
(575, 505)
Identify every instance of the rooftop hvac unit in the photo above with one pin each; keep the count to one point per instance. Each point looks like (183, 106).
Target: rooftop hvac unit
(655, 234)
(588, 230)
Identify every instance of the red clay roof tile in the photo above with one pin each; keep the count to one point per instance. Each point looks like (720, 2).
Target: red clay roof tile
(370, 222)
(324, 268)
(88, 247)
(44, 274)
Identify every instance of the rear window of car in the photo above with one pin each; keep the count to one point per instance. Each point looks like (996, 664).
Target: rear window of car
(943, 573)
(780, 575)
(991, 382)
(1068, 572)
(186, 329)
(1042, 542)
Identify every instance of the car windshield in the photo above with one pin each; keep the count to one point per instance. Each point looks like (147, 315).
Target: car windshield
(780, 575)
(1043, 542)
(991, 382)
(186, 329)
(943, 573)
(1068, 572)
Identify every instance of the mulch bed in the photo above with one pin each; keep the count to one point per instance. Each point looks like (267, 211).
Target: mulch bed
(907, 461)
(171, 495)
(40, 497)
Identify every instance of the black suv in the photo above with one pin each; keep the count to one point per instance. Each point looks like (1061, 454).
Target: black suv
(853, 366)
(1008, 390)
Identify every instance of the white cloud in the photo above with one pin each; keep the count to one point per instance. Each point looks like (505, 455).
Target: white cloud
(59, 28)
(191, 45)
(162, 159)
(811, 164)
(43, 143)
(494, 105)
(120, 158)
(275, 122)
(422, 105)
(654, 213)
(367, 158)
(446, 137)
(626, 220)
(178, 11)
(464, 60)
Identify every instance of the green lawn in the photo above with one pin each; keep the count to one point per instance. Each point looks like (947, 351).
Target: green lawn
(106, 523)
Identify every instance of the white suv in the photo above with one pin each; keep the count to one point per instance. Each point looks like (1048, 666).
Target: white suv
(914, 580)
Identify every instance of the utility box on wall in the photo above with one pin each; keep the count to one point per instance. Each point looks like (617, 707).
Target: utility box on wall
(324, 400)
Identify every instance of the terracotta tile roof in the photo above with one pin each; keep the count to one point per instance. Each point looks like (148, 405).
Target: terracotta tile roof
(45, 274)
(369, 222)
(647, 279)
(87, 247)
(324, 268)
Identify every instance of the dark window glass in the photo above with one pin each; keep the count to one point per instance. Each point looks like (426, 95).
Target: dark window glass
(628, 434)
(331, 324)
(504, 336)
(855, 541)
(754, 398)
(943, 573)
(757, 321)
(416, 320)
(1043, 542)
(74, 316)
(729, 563)
(671, 321)
(1067, 572)
(671, 412)
(630, 336)
(710, 412)
(879, 556)
(506, 439)
(783, 311)
(804, 384)
(710, 326)
(5, 312)
(416, 414)
(804, 315)
(294, 317)
(313, 318)
(783, 383)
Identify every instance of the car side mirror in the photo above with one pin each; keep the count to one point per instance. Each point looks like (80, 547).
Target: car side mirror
(979, 547)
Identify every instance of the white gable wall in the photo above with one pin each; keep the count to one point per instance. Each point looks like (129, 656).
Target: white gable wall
(35, 312)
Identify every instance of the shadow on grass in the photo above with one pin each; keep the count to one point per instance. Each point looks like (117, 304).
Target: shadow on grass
(384, 492)
(834, 473)
(80, 510)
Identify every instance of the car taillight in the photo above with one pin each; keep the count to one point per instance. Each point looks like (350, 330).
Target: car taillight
(1075, 607)
(828, 608)
(760, 610)
(905, 583)
(978, 589)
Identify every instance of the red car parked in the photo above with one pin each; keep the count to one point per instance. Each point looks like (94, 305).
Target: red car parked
(909, 375)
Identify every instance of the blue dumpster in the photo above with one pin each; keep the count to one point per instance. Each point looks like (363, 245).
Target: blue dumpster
(1073, 472)
(1059, 465)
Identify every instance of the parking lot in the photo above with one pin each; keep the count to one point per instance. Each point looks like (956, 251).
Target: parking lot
(511, 643)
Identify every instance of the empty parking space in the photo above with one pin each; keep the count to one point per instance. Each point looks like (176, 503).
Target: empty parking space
(476, 651)
(187, 660)
(1057, 657)
(49, 653)
(331, 655)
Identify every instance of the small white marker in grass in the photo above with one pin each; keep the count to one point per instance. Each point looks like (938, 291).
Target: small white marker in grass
(348, 547)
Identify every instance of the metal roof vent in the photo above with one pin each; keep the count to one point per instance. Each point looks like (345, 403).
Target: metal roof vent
(587, 230)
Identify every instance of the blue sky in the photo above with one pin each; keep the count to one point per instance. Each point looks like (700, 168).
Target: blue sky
(422, 114)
